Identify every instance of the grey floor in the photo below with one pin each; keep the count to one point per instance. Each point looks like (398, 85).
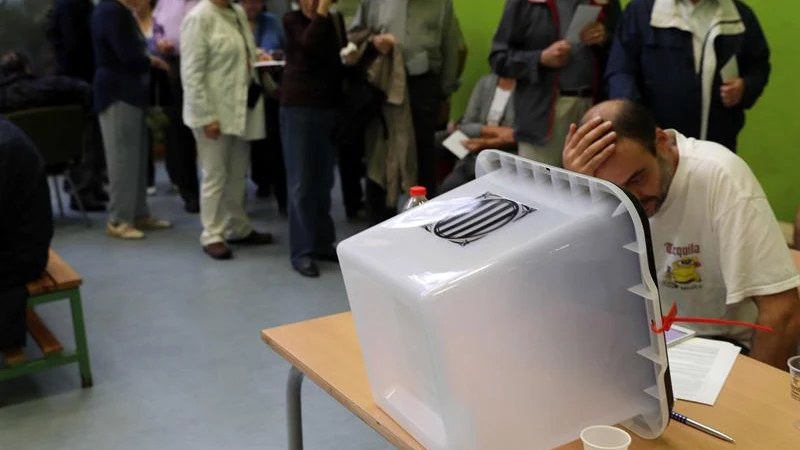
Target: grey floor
(175, 348)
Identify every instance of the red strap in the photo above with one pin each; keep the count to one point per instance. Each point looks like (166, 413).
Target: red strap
(671, 318)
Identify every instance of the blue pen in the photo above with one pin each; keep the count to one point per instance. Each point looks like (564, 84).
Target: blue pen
(699, 426)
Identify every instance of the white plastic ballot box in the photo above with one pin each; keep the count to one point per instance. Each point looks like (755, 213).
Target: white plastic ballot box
(512, 312)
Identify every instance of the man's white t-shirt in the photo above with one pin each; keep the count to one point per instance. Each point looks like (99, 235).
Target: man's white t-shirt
(716, 241)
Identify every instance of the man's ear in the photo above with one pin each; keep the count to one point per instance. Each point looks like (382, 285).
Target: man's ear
(663, 140)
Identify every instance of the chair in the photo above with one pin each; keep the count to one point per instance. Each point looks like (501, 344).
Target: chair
(58, 133)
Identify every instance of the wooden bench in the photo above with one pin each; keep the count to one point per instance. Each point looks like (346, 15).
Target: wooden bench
(59, 282)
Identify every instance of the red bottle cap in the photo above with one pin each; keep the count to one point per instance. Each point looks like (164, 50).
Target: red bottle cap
(418, 191)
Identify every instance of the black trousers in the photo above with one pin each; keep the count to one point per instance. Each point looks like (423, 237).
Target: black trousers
(88, 173)
(267, 169)
(181, 157)
(425, 92)
(351, 170)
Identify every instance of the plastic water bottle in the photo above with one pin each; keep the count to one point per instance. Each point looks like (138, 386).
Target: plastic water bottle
(418, 197)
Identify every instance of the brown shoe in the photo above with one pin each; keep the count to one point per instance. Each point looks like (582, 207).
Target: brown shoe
(254, 238)
(218, 251)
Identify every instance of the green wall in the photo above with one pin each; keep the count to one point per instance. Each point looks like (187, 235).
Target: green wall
(768, 143)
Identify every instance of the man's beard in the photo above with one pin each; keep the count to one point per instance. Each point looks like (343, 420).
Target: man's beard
(667, 173)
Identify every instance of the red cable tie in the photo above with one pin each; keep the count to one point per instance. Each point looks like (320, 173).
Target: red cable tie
(672, 317)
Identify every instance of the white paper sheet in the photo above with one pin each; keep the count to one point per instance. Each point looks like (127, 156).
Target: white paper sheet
(454, 144)
(730, 71)
(270, 64)
(584, 15)
(699, 368)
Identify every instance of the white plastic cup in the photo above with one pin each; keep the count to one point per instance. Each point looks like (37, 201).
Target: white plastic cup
(603, 437)
(794, 369)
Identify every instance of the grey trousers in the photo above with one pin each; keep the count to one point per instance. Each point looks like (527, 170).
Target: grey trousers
(125, 140)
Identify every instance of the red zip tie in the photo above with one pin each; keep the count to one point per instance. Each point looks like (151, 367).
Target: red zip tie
(671, 318)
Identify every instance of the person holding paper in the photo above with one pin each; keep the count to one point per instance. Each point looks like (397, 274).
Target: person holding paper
(488, 123)
(429, 35)
(697, 64)
(718, 250)
(557, 68)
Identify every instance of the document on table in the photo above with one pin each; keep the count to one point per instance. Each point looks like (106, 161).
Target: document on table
(699, 368)
(454, 144)
(584, 15)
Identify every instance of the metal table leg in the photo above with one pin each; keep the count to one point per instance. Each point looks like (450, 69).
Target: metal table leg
(294, 413)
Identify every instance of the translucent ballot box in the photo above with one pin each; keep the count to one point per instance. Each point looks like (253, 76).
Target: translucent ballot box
(512, 312)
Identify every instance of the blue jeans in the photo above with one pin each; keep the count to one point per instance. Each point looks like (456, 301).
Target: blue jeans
(309, 156)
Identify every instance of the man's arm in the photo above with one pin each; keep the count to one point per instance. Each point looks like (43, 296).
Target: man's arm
(450, 48)
(472, 121)
(623, 72)
(782, 313)
(754, 59)
(505, 58)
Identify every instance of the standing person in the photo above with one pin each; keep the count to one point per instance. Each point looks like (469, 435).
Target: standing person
(311, 92)
(557, 81)
(70, 33)
(428, 33)
(157, 84)
(697, 64)
(224, 108)
(120, 98)
(266, 156)
(182, 149)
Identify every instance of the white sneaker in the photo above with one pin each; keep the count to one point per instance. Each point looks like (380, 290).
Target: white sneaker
(151, 191)
(151, 223)
(123, 230)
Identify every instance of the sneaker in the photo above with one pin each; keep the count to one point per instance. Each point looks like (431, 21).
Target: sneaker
(150, 223)
(151, 191)
(123, 230)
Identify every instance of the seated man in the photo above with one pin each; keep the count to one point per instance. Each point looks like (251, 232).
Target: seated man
(25, 231)
(489, 124)
(20, 89)
(706, 209)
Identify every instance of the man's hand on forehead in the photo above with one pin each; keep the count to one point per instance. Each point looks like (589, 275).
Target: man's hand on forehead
(589, 146)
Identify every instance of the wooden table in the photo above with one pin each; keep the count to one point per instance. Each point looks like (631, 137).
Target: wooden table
(754, 407)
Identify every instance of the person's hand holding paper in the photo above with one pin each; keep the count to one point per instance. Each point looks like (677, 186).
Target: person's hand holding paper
(732, 89)
(556, 55)
(584, 27)
(594, 34)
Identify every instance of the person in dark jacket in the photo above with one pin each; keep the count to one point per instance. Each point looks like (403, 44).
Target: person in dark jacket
(26, 231)
(71, 37)
(70, 34)
(696, 64)
(20, 89)
(120, 98)
(557, 81)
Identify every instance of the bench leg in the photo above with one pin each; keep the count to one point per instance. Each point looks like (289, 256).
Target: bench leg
(294, 413)
(80, 338)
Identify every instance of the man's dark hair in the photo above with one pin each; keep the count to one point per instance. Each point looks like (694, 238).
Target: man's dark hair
(13, 63)
(635, 122)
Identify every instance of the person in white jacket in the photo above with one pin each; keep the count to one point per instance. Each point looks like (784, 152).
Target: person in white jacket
(223, 105)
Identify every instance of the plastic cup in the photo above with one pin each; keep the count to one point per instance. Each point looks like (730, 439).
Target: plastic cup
(794, 369)
(602, 437)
